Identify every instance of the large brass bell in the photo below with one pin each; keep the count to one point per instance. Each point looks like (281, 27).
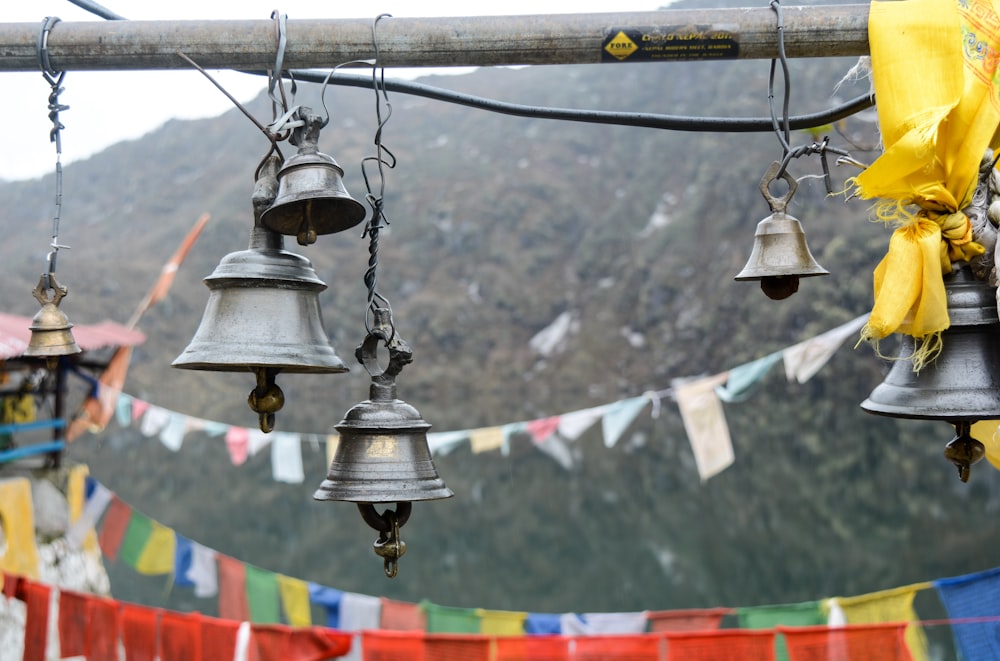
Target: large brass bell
(383, 456)
(51, 334)
(780, 255)
(311, 198)
(962, 384)
(263, 314)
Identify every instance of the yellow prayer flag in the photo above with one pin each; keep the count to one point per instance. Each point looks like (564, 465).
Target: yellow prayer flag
(938, 113)
(18, 516)
(295, 601)
(988, 433)
(895, 605)
(486, 439)
(76, 487)
(501, 623)
(157, 557)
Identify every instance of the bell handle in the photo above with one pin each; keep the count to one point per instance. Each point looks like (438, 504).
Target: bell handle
(777, 203)
(400, 353)
(48, 283)
(382, 522)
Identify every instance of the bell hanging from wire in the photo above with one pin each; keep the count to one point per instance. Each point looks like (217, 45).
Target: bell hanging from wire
(383, 456)
(51, 334)
(780, 255)
(962, 384)
(311, 198)
(263, 313)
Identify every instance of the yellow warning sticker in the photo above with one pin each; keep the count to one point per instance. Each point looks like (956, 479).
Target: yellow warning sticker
(674, 42)
(620, 47)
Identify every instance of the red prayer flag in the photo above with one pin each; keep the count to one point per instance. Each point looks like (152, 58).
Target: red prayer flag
(233, 602)
(318, 643)
(402, 616)
(456, 647)
(532, 648)
(695, 619)
(72, 623)
(11, 586)
(279, 642)
(540, 430)
(36, 627)
(218, 638)
(116, 521)
(722, 645)
(857, 642)
(180, 637)
(392, 646)
(138, 632)
(103, 629)
(633, 647)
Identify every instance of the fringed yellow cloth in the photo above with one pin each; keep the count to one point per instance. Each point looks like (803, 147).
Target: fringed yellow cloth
(934, 66)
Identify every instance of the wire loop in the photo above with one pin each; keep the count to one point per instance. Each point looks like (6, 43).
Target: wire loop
(782, 128)
(384, 158)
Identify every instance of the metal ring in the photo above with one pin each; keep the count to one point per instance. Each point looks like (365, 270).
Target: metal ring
(42, 46)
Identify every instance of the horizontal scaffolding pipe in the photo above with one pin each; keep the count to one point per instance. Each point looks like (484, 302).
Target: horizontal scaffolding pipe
(665, 35)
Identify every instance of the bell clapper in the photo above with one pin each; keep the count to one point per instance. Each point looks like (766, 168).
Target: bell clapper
(389, 546)
(964, 450)
(779, 287)
(267, 398)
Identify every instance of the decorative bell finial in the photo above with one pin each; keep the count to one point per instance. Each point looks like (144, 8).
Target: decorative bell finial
(383, 456)
(311, 197)
(51, 336)
(263, 313)
(780, 255)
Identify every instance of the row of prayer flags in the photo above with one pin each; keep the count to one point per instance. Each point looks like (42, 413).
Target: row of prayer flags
(699, 400)
(251, 594)
(96, 627)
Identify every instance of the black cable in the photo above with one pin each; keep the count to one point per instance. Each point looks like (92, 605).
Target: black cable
(98, 10)
(641, 120)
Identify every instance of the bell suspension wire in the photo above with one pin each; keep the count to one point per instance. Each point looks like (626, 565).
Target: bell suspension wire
(384, 158)
(55, 80)
(782, 129)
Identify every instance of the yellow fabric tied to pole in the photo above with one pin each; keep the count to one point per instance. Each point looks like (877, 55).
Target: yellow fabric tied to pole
(933, 66)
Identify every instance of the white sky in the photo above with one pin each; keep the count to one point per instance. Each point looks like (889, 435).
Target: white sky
(107, 107)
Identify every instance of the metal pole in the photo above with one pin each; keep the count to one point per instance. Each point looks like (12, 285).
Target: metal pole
(667, 35)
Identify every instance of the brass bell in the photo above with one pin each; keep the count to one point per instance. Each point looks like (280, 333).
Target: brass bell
(383, 456)
(263, 314)
(311, 198)
(51, 334)
(962, 384)
(780, 255)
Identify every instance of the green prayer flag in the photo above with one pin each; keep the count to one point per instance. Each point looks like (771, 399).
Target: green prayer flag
(809, 613)
(263, 596)
(137, 534)
(449, 619)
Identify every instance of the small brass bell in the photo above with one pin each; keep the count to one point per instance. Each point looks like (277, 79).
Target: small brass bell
(51, 334)
(780, 255)
(962, 384)
(311, 198)
(263, 314)
(383, 456)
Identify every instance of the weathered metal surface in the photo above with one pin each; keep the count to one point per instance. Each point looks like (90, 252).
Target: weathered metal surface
(745, 33)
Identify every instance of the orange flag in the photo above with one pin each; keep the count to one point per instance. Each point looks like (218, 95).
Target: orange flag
(96, 411)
